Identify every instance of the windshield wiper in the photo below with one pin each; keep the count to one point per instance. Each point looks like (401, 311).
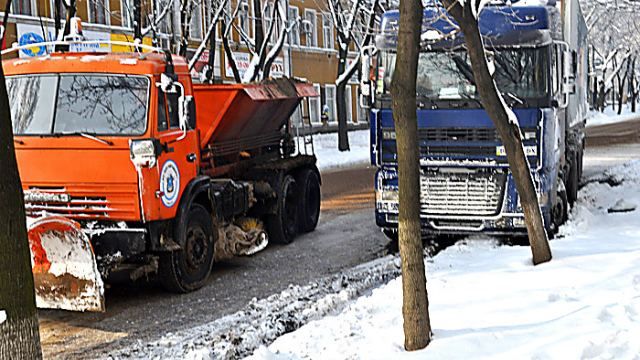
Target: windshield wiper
(88, 136)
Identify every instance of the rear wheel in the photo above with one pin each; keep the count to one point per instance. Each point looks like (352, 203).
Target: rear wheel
(187, 269)
(309, 199)
(282, 226)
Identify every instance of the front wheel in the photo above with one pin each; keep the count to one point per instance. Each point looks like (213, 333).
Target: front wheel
(187, 269)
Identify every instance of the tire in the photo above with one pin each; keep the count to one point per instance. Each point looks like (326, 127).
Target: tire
(282, 226)
(391, 234)
(572, 181)
(187, 269)
(560, 212)
(308, 199)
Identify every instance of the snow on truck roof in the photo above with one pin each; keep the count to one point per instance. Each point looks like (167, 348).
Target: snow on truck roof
(501, 25)
(77, 62)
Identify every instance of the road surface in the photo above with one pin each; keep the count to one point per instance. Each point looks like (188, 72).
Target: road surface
(346, 236)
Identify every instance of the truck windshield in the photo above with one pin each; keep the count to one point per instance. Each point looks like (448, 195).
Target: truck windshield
(95, 104)
(448, 76)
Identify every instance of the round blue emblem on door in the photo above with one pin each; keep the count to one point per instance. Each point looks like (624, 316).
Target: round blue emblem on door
(169, 183)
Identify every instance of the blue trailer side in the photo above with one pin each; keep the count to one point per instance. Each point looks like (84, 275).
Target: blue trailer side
(466, 185)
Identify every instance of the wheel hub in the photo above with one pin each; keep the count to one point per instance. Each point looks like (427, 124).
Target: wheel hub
(196, 247)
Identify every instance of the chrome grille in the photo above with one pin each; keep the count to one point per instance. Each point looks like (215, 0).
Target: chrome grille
(461, 194)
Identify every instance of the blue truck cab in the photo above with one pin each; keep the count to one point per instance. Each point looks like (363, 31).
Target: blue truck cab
(539, 63)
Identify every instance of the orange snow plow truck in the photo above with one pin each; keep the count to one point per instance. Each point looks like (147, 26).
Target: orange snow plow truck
(128, 168)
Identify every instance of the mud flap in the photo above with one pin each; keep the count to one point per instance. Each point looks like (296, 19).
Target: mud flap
(64, 266)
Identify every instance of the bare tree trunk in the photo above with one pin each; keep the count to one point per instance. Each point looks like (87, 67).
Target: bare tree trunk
(57, 17)
(19, 336)
(211, 63)
(341, 103)
(229, 53)
(415, 305)
(508, 130)
(5, 20)
(632, 85)
(137, 19)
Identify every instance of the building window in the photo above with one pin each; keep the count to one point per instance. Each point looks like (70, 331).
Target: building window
(330, 101)
(314, 106)
(98, 11)
(243, 17)
(127, 13)
(165, 25)
(267, 16)
(22, 7)
(349, 101)
(195, 28)
(309, 28)
(294, 35)
(62, 10)
(327, 31)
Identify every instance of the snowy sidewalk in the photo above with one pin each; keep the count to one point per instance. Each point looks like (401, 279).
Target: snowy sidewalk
(330, 158)
(489, 302)
(610, 116)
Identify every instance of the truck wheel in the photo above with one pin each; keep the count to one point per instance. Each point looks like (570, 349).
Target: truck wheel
(187, 269)
(573, 180)
(309, 199)
(282, 226)
(560, 211)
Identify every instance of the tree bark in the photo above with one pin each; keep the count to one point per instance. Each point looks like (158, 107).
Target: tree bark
(137, 19)
(415, 305)
(19, 334)
(341, 103)
(229, 53)
(508, 130)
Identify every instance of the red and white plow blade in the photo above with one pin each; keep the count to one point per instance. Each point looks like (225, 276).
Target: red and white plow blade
(64, 266)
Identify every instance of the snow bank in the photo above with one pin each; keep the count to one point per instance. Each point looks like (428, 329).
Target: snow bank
(489, 302)
(610, 116)
(262, 321)
(329, 157)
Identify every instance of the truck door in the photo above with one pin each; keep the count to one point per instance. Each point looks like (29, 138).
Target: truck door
(177, 164)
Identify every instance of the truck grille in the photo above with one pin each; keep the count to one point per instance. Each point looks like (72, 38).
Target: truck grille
(461, 194)
(87, 204)
(459, 134)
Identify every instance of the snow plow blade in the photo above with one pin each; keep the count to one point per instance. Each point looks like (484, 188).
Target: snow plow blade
(64, 266)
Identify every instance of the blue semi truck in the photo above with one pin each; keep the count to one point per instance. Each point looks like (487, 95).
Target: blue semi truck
(538, 55)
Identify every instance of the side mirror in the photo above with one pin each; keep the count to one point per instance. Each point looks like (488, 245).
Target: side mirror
(167, 84)
(183, 111)
(187, 113)
(569, 76)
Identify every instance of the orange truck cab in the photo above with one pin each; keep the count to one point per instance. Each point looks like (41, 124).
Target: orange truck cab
(123, 158)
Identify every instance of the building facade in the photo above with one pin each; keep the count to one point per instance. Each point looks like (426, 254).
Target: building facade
(309, 52)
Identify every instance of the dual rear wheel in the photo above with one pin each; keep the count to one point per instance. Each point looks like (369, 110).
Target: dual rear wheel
(297, 208)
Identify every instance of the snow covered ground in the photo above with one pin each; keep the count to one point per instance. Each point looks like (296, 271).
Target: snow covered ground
(610, 116)
(489, 302)
(329, 157)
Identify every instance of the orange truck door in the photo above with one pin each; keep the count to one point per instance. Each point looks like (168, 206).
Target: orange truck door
(177, 165)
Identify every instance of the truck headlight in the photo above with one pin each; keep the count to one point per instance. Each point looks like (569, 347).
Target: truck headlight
(388, 135)
(387, 195)
(144, 152)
